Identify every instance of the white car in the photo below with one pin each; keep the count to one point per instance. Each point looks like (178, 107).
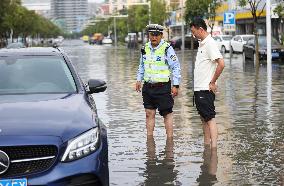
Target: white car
(223, 42)
(238, 41)
(107, 40)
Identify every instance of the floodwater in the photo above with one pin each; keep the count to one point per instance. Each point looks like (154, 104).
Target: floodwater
(250, 118)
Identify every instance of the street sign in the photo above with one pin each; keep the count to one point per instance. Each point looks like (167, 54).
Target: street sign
(229, 21)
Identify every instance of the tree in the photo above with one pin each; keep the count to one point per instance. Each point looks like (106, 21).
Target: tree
(279, 11)
(6, 8)
(138, 17)
(213, 5)
(255, 6)
(158, 15)
(196, 8)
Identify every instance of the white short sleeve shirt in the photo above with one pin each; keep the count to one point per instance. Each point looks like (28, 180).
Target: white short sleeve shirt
(205, 65)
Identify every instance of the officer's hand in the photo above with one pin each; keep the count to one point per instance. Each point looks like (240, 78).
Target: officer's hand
(138, 86)
(174, 91)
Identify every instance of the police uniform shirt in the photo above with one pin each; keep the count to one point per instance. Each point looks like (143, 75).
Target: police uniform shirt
(171, 60)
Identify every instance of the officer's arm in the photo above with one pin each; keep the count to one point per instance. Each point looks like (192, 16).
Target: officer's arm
(140, 71)
(174, 65)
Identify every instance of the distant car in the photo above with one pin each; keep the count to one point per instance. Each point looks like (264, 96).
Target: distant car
(176, 42)
(107, 40)
(223, 42)
(277, 50)
(238, 41)
(85, 38)
(16, 45)
(50, 130)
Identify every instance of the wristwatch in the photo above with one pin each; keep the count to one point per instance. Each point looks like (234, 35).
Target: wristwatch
(177, 86)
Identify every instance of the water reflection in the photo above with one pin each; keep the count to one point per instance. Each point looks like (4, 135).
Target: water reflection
(160, 171)
(207, 176)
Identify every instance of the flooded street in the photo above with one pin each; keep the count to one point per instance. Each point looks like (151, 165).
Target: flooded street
(250, 117)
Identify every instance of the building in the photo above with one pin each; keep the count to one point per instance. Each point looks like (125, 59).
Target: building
(176, 19)
(70, 15)
(244, 18)
(41, 8)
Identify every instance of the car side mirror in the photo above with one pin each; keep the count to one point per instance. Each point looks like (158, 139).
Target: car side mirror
(96, 86)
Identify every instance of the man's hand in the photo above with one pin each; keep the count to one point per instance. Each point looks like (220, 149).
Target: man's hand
(174, 91)
(213, 87)
(138, 86)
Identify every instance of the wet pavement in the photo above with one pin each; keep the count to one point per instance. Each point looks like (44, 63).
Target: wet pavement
(250, 117)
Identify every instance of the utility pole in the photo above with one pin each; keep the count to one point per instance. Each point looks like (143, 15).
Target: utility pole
(182, 26)
(268, 35)
(114, 27)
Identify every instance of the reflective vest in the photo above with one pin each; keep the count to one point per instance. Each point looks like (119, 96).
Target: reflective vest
(156, 68)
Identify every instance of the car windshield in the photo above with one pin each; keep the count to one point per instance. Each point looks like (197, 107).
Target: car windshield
(227, 38)
(263, 42)
(16, 45)
(246, 38)
(35, 75)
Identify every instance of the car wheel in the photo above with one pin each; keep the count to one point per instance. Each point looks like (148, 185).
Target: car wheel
(223, 50)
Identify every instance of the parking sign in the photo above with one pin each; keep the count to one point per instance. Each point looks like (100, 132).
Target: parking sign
(229, 21)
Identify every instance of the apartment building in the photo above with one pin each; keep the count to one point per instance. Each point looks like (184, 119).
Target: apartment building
(70, 15)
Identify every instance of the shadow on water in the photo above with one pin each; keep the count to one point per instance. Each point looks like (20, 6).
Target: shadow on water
(160, 168)
(207, 176)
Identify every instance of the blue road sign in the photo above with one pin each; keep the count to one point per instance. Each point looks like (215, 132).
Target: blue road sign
(229, 21)
(229, 18)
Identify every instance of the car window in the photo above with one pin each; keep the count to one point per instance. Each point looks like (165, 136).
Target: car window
(250, 42)
(246, 38)
(30, 75)
(16, 45)
(237, 38)
(263, 42)
(217, 38)
(227, 38)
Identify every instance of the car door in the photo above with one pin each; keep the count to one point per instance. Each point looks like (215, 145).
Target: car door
(218, 41)
(234, 43)
(187, 42)
(239, 44)
(249, 49)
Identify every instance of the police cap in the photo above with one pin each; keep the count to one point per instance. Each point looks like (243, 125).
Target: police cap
(155, 28)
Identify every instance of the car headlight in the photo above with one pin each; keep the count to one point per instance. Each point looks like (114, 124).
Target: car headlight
(82, 145)
(282, 50)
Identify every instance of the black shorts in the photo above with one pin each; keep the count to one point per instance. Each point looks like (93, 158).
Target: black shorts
(158, 96)
(204, 101)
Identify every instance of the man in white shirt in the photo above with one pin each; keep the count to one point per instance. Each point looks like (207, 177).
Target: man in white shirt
(208, 67)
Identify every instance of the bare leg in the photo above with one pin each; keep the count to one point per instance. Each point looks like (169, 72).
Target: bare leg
(168, 120)
(213, 132)
(151, 148)
(206, 132)
(150, 121)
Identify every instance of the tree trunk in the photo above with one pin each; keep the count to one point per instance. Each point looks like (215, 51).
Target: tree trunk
(256, 43)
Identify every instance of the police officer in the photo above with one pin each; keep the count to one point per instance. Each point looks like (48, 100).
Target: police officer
(158, 63)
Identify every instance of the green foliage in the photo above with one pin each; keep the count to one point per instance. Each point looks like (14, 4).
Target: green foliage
(279, 10)
(196, 8)
(138, 18)
(158, 11)
(23, 22)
